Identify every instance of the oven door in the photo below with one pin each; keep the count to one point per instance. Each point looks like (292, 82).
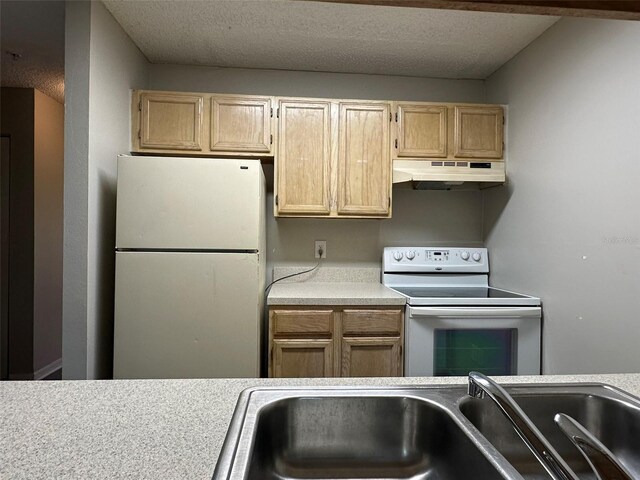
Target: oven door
(447, 341)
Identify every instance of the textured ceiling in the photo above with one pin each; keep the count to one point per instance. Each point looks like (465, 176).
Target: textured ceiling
(34, 30)
(301, 35)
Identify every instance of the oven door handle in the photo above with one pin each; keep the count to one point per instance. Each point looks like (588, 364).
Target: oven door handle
(461, 312)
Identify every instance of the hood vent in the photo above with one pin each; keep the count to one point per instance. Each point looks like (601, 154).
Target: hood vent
(449, 175)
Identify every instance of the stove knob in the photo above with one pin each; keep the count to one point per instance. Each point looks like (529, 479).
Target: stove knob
(410, 255)
(476, 257)
(464, 255)
(397, 256)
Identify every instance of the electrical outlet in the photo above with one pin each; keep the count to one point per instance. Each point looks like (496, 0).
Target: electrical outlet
(321, 246)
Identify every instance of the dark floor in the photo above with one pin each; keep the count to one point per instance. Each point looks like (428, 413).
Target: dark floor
(57, 375)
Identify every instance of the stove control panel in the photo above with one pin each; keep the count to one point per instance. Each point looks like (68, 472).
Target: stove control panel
(435, 260)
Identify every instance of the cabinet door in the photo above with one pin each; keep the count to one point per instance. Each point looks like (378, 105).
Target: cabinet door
(302, 358)
(422, 130)
(171, 121)
(371, 357)
(364, 159)
(478, 131)
(241, 124)
(304, 155)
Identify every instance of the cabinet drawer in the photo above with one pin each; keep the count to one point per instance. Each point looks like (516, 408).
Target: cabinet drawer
(371, 322)
(302, 323)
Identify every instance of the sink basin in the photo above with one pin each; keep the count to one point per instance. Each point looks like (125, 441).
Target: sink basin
(419, 433)
(362, 437)
(611, 415)
(396, 433)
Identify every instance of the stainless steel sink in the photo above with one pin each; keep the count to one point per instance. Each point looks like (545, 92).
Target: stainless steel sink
(414, 432)
(362, 437)
(608, 413)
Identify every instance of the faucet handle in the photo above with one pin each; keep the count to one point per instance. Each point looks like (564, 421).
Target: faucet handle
(604, 463)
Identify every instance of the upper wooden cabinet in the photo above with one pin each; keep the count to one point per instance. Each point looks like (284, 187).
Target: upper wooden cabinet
(478, 131)
(448, 131)
(202, 124)
(422, 130)
(333, 158)
(364, 162)
(170, 121)
(304, 157)
(241, 124)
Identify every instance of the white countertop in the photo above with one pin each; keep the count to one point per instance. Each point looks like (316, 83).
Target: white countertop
(333, 293)
(150, 429)
(332, 286)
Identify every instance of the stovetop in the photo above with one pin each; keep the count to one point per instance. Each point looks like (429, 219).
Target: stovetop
(457, 292)
(443, 276)
(472, 296)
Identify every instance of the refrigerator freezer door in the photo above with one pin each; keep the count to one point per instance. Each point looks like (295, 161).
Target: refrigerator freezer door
(186, 315)
(188, 203)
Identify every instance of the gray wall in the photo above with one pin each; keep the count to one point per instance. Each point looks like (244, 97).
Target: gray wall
(34, 124)
(419, 217)
(567, 228)
(48, 224)
(312, 84)
(106, 65)
(17, 122)
(76, 207)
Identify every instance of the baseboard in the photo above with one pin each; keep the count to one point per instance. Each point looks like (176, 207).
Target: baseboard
(47, 369)
(38, 374)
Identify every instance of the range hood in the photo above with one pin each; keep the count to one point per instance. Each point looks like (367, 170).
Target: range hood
(448, 175)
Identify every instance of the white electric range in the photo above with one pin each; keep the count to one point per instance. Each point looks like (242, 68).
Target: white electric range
(454, 321)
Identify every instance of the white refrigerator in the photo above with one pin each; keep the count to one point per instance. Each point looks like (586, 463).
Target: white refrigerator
(190, 262)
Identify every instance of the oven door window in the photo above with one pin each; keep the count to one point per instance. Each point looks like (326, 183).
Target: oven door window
(488, 351)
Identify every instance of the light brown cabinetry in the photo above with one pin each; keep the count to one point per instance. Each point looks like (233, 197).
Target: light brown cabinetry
(422, 130)
(202, 124)
(333, 158)
(170, 121)
(302, 358)
(304, 157)
(347, 342)
(448, 131)
(371, 357)
(301, 343)
(478, 132)
(371, 343)
(364, 162)
(241, 124)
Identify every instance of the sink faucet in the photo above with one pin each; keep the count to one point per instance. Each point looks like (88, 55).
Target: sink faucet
(604, 463)
(481, 386)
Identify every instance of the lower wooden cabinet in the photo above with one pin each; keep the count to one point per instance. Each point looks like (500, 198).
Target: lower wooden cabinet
(294, 358)
(371, 357)
(315, 342)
